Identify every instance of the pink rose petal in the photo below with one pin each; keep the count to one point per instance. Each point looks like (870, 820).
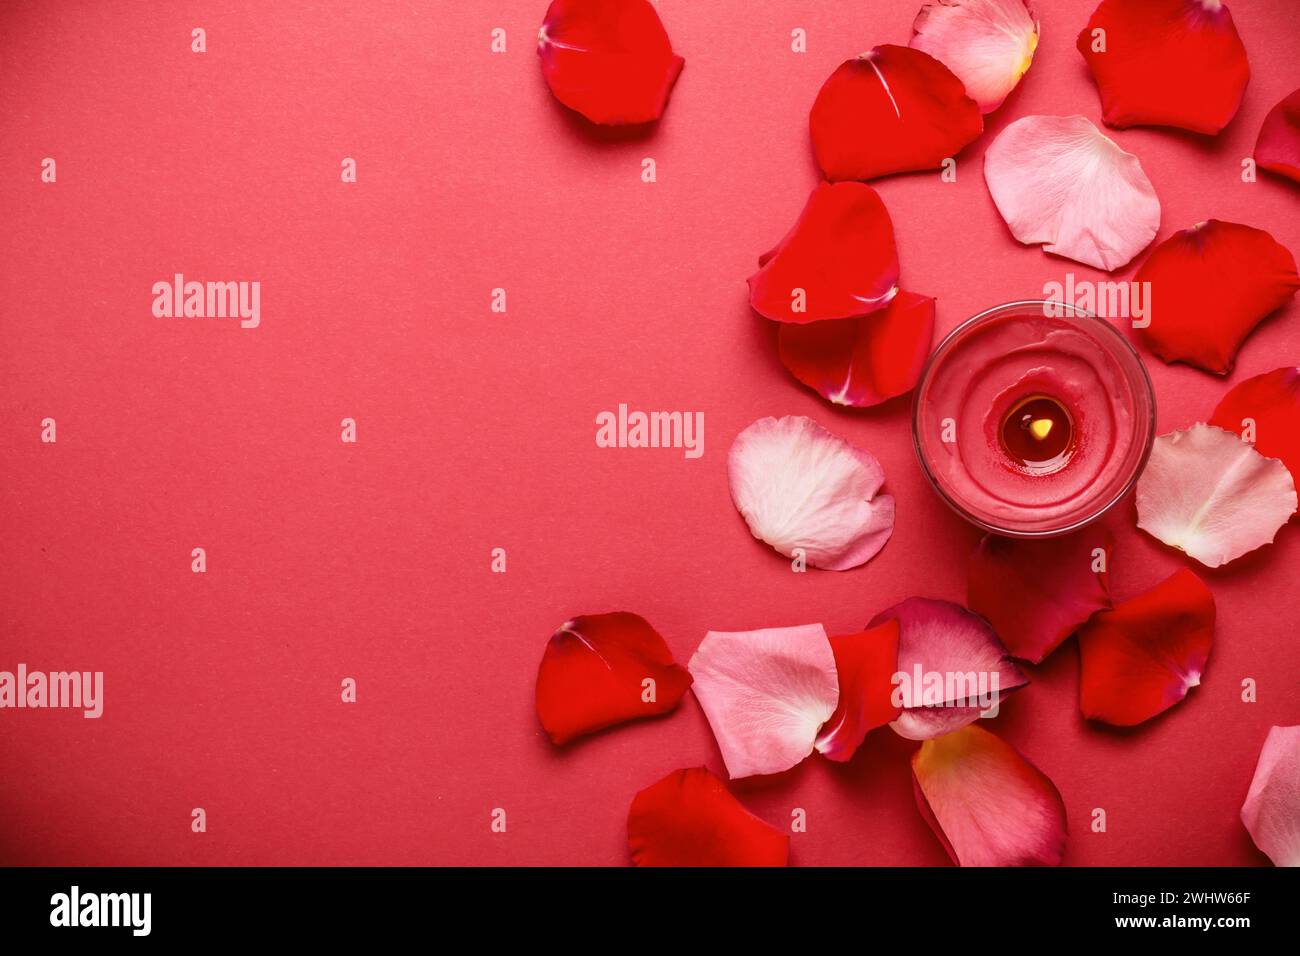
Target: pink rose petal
(1058, 181)
(944, 639)
(987, 804)
(800, 487)
(766, 694)
(1272, 809)
(988, 44)
(1208, 493)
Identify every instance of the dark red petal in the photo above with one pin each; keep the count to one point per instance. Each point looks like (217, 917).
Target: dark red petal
(1166, 63)
(1278, 146)
(864, 360)
(1036, 593)
(608, 59)
(1141, 658)
(594, 671)
(866, 663)
(1266, 410)
(893, 110)
(689, 819)
(1210, 286)
(838, 261)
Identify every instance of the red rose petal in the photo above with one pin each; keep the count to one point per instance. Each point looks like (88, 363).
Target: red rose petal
(1166, 63)
(987, 804)
(865, 360)
(1036, 593)
(1278, 146)
(866, 663)
(1142, 657)
(593, 672)
(609, 60)
(689, 819)
(838, 261)
(1210, 286)
(893, 110)
(1266, 411)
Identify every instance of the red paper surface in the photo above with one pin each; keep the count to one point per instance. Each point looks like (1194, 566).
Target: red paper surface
(476, 430)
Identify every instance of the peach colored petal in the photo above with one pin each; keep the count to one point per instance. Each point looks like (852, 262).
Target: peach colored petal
(1272, 809)
(801, 488)
(766, 694)
(1208, 493)
(1058, 181)
(987, 804)
(988, 44)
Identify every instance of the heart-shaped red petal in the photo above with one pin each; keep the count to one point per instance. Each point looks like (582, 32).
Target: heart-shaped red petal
(605, 669)
(865, 360)
(1278, 146)
(865, 663)
(893, 110)
(1265, 411)
(1210, 286)
(1166, 63)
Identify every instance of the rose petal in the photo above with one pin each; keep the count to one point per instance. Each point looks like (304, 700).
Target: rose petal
(609, 60)
(988, 44)
(893, 110)
(1265, 410)
(1278, 146)
(838, 261)
(939, 640)
(1058, 181)
(1037, 592)
(1272, 809)
(1140, 658)
(1210, 286)
(593, 674)
(866, 663)
(865, 360)
(1166, 63)
(987, 804)
(766, 694)
(1210, 494)
(801, 488)
(689, 819)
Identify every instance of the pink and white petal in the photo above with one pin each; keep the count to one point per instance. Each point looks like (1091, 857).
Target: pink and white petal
(988, 44)
(988, 805)
(1272, 809)
(766, 694)
(1059, 182)
(943, 642)
(800, 487)
(1210, 494)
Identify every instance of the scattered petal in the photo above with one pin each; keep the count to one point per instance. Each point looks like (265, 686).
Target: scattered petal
(689, 819)
(1058, 181)
(865, 360)
(988, 44)
(1140, 658)
(838, 261)
(951, 667)
(1265, 411)
(893, 110)
(866, 663)
(593, 675)
(1166, 63)
(1210, 494)
(987, 804)
(609, 60)
(1278, 146)
(1272, 809)
(1037, 592)
(800, 488)
(1210, 286)
(766, 694)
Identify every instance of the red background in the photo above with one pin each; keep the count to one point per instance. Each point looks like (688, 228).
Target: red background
(476, 431)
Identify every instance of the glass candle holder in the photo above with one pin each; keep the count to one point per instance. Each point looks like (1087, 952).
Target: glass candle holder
(1033, 419)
